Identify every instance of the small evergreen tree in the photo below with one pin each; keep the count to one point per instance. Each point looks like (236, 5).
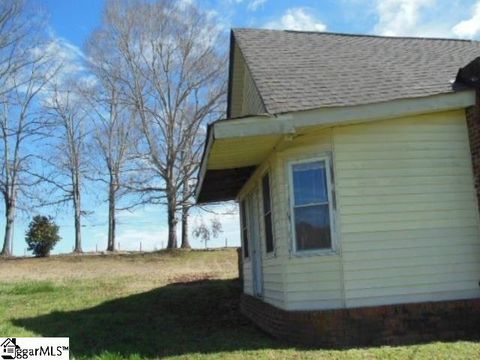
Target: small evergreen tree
(42, 235)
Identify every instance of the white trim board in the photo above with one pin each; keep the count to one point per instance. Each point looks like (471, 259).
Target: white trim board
(290, 123)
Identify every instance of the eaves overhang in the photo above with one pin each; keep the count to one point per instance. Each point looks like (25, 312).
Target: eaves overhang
(234, 147)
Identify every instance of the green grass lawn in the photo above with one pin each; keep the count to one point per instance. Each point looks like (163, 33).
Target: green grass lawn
(174, 305)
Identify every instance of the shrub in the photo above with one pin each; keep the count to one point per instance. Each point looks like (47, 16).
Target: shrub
(42, 235)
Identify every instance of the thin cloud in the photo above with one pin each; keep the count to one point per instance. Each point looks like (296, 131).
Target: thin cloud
(400, 17)
(424, 18)
(299, 19)
(469, 28)
(254, 5)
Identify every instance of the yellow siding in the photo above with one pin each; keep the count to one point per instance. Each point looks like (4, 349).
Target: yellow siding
(247, 277)
(252, 103)
(273, 282)
(314, 282)
(245, 99)
(311, 282)
(407, 209)
(408, 225)
(238, 74)
(272, 265)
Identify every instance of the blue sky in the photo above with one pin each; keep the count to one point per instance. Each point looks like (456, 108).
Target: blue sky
(72, 21)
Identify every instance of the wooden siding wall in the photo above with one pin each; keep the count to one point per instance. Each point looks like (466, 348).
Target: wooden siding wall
(407, 222)
(245, 99)
(272, 266)
(311, 282)
(252, 103)
(292, 282)
(238, 74)
(407, 209)
(247, 277)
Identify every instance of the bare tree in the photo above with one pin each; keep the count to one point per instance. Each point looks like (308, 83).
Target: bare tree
(174, 75)
(185, 209)
(16, 35)
(25, 69)
(67, 117)
(115, 133)
(115, 138)
(206, 233)
(190, 157)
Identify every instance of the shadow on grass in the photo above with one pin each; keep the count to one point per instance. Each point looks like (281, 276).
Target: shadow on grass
(178, 319)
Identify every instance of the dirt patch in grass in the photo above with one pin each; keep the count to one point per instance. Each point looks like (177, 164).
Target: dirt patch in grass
(191, 279)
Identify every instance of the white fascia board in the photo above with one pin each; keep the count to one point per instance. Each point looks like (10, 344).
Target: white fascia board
(384, 110)
(292, 122)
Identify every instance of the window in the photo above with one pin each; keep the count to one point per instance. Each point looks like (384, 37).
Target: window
(311, 205)
(243, 224)
(267, 213)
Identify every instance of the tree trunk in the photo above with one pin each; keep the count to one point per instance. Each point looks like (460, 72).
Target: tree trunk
(78, 223)
(9, 223)
(172, 223)
(185, 242)
(111, 218)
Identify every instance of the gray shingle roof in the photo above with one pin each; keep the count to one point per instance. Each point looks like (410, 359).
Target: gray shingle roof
(305, 70)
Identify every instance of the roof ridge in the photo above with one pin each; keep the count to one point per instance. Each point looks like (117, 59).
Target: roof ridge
(356, 35)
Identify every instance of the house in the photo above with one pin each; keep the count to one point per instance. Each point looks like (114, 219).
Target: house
(356, 163)
(8, 348)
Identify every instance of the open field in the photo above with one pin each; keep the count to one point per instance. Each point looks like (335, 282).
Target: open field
(167, 304)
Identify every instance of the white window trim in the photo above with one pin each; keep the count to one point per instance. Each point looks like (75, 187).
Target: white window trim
(273, 253)
(331, 209)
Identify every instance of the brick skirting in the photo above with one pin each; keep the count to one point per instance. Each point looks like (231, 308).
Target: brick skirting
(366, 326)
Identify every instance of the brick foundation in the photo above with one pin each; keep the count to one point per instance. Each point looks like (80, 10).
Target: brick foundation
(366, 326)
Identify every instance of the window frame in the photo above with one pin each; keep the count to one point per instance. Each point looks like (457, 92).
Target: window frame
(331, 208)
(272, 222)
(244, 229)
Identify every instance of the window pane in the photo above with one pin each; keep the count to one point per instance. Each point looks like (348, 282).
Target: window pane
(245, 242)
(310, 183)
(267, 215)
(243, 219)
(266, 194)
(268, 232)
(312, 227)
